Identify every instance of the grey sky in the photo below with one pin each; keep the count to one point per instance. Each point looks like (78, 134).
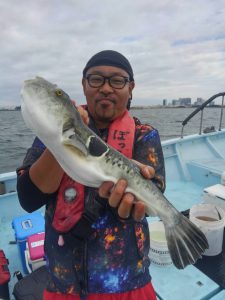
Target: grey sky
(176, 47)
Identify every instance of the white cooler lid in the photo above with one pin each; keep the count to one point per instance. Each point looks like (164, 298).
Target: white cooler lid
(217, 190)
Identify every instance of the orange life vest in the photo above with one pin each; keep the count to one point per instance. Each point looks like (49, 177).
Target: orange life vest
(70, 199)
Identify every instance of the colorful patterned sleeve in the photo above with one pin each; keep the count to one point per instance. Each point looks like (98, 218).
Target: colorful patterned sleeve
(148, 150)
(30, 197)
(32, 155)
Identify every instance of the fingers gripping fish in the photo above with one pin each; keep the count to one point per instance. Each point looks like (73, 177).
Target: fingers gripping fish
(49, 112)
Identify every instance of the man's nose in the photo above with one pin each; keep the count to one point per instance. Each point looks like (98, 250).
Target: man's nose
(106, 87)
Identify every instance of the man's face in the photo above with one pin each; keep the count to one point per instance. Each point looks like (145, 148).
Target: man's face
(106, 103)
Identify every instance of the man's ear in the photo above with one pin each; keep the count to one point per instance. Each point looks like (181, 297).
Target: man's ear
(131, 87)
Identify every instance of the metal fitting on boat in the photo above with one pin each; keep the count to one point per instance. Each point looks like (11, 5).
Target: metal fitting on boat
(18, 275)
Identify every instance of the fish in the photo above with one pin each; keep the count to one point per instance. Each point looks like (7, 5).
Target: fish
(49, 112)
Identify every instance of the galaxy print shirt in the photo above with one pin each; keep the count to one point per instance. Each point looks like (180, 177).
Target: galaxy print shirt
(114, 258)
(118, 250)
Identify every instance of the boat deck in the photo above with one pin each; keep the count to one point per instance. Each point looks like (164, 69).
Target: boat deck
(192, 282)
(199, 159)
(186, 284)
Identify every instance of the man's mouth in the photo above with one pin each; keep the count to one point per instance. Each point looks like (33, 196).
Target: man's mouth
(105, 101)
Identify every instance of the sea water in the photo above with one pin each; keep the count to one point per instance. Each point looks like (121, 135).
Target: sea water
(15, 137)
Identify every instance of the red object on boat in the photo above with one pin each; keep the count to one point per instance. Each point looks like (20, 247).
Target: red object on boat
(4, 270)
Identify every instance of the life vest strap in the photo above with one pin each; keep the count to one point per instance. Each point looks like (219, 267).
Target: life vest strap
(83, 228)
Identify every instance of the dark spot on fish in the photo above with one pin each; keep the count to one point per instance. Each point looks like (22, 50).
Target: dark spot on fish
(96, 147)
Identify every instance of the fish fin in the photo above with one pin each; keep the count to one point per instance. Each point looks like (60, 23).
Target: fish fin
(68, 125)
(70, 138)
(151, 212)
(186, 242)
(96, 147)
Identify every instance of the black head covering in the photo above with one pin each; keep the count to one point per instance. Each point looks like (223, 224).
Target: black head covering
(109, 58)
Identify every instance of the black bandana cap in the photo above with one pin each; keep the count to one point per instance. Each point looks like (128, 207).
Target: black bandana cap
(110, 58)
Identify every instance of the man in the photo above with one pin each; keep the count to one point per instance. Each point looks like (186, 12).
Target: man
(103, 252)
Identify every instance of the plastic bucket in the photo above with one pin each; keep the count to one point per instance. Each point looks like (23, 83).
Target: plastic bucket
(159, 253)
(210, 219)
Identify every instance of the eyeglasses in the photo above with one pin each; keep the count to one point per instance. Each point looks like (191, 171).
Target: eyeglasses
(115, 81)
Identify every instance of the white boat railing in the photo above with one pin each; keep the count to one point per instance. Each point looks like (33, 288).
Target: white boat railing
(201, 108)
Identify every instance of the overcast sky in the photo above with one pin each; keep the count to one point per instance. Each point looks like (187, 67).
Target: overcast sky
(176, 47)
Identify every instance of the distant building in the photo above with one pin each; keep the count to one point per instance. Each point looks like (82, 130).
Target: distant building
(164, 102)
(199, 102)
(212, 103)
(185, 101)
(175, 102)
(182, 102)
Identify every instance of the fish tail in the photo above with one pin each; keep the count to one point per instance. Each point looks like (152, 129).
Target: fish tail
(186, 242)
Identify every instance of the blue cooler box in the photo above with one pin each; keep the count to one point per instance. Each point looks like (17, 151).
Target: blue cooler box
(25, 226)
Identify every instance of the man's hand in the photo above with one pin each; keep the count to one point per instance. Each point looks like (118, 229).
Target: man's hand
(126, 203)
(84, 114)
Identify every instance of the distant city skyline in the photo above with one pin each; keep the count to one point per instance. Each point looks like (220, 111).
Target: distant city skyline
(164, 102)
(186, 102)
(135, 101)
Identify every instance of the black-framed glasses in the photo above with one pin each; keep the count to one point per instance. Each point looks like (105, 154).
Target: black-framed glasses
(115, 81)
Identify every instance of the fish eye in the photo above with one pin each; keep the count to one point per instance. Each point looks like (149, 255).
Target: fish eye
(58, 93)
